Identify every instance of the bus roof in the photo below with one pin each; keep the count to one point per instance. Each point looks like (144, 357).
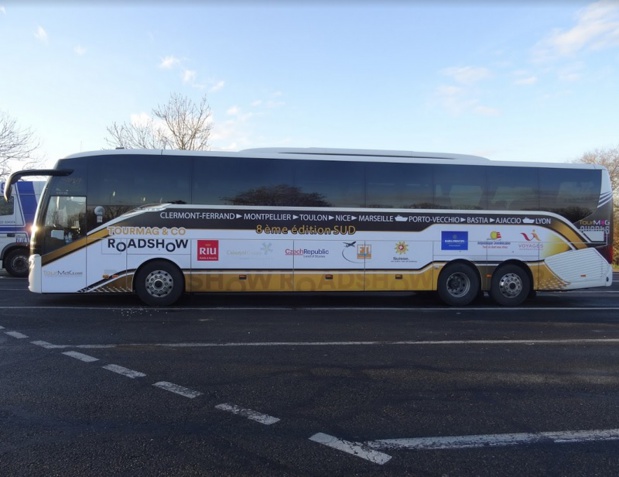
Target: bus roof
(370, 153)
(324, 154)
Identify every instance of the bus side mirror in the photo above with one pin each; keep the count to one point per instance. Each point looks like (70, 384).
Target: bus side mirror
(15, 176)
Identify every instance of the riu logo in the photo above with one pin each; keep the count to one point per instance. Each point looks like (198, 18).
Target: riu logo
(208, 250)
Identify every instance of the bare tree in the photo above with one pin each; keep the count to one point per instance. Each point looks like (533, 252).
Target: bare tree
(178, 124)
(608, 158)
(17, 145)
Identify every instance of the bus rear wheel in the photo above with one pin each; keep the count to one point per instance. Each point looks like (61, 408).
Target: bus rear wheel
(16, 263)
(510, 286)
(458, 284)
(159, 283)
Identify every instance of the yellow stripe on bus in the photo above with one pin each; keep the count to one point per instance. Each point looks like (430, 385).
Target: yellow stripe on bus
(305, 281)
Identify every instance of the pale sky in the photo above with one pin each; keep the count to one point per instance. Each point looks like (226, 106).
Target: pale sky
(509, 80)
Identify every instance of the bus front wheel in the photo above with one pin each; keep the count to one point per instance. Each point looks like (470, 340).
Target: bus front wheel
(458, 284)
(159, 283)
(510, 286)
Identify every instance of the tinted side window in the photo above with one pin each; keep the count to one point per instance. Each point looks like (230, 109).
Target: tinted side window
(242, 181)
(330, 183)
(134, 180)
(408, 186)
(513, 188)
(121, 183)
(572, 193)
(460, 187)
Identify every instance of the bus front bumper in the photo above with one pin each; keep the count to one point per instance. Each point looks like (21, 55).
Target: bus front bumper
(34, 274)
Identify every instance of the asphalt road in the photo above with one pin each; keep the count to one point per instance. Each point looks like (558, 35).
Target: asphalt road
(310, 385)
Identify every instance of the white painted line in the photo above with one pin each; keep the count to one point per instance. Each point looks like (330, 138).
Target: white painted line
(45, 344)
(495, 440)
(88, 346)
(354, 448)
(82, 357)
(386, 343)
(96, 346)
(248, 413)
(1, 327)
(577, 341)
(16, 334)
(175, 388)
(130, 373)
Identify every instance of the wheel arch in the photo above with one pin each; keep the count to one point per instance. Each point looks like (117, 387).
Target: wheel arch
(159, 282)
(457, 261)
(15, 260)
(459, 282)
(521, 264)
(13, 246)
(509, 289)
(153, 260)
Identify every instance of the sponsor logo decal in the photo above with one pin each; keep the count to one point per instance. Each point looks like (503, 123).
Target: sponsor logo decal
(494, 241)
(454, 240)
(364, 252)
(208, 250)
(307, 252)
(250, 253)
(354, 252)
(401, 253)
(401, 248)
(533, 236)
(62, 274)
(533, 242)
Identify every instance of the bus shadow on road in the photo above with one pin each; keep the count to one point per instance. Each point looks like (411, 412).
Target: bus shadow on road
(364, 301)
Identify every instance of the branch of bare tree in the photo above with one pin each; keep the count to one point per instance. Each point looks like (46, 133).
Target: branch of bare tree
(16, 144)
(608, 158)
(179, 124)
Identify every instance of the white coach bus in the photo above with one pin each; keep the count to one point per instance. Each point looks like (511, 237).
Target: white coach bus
(164, 223)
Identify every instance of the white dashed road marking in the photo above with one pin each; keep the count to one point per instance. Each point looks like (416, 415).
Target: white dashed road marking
(130, 373)
(495, 440)
(175, 388)
(44, 344)
(248, 413)
(16, 334)
(355, 448)
(367, 450)
(81, 356)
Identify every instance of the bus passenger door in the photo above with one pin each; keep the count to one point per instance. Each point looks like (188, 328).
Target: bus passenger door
(63, 252)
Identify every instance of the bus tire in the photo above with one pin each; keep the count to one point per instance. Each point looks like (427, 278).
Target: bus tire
(16, 263)
(159, 283)
(458, 284)
(510, 285)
